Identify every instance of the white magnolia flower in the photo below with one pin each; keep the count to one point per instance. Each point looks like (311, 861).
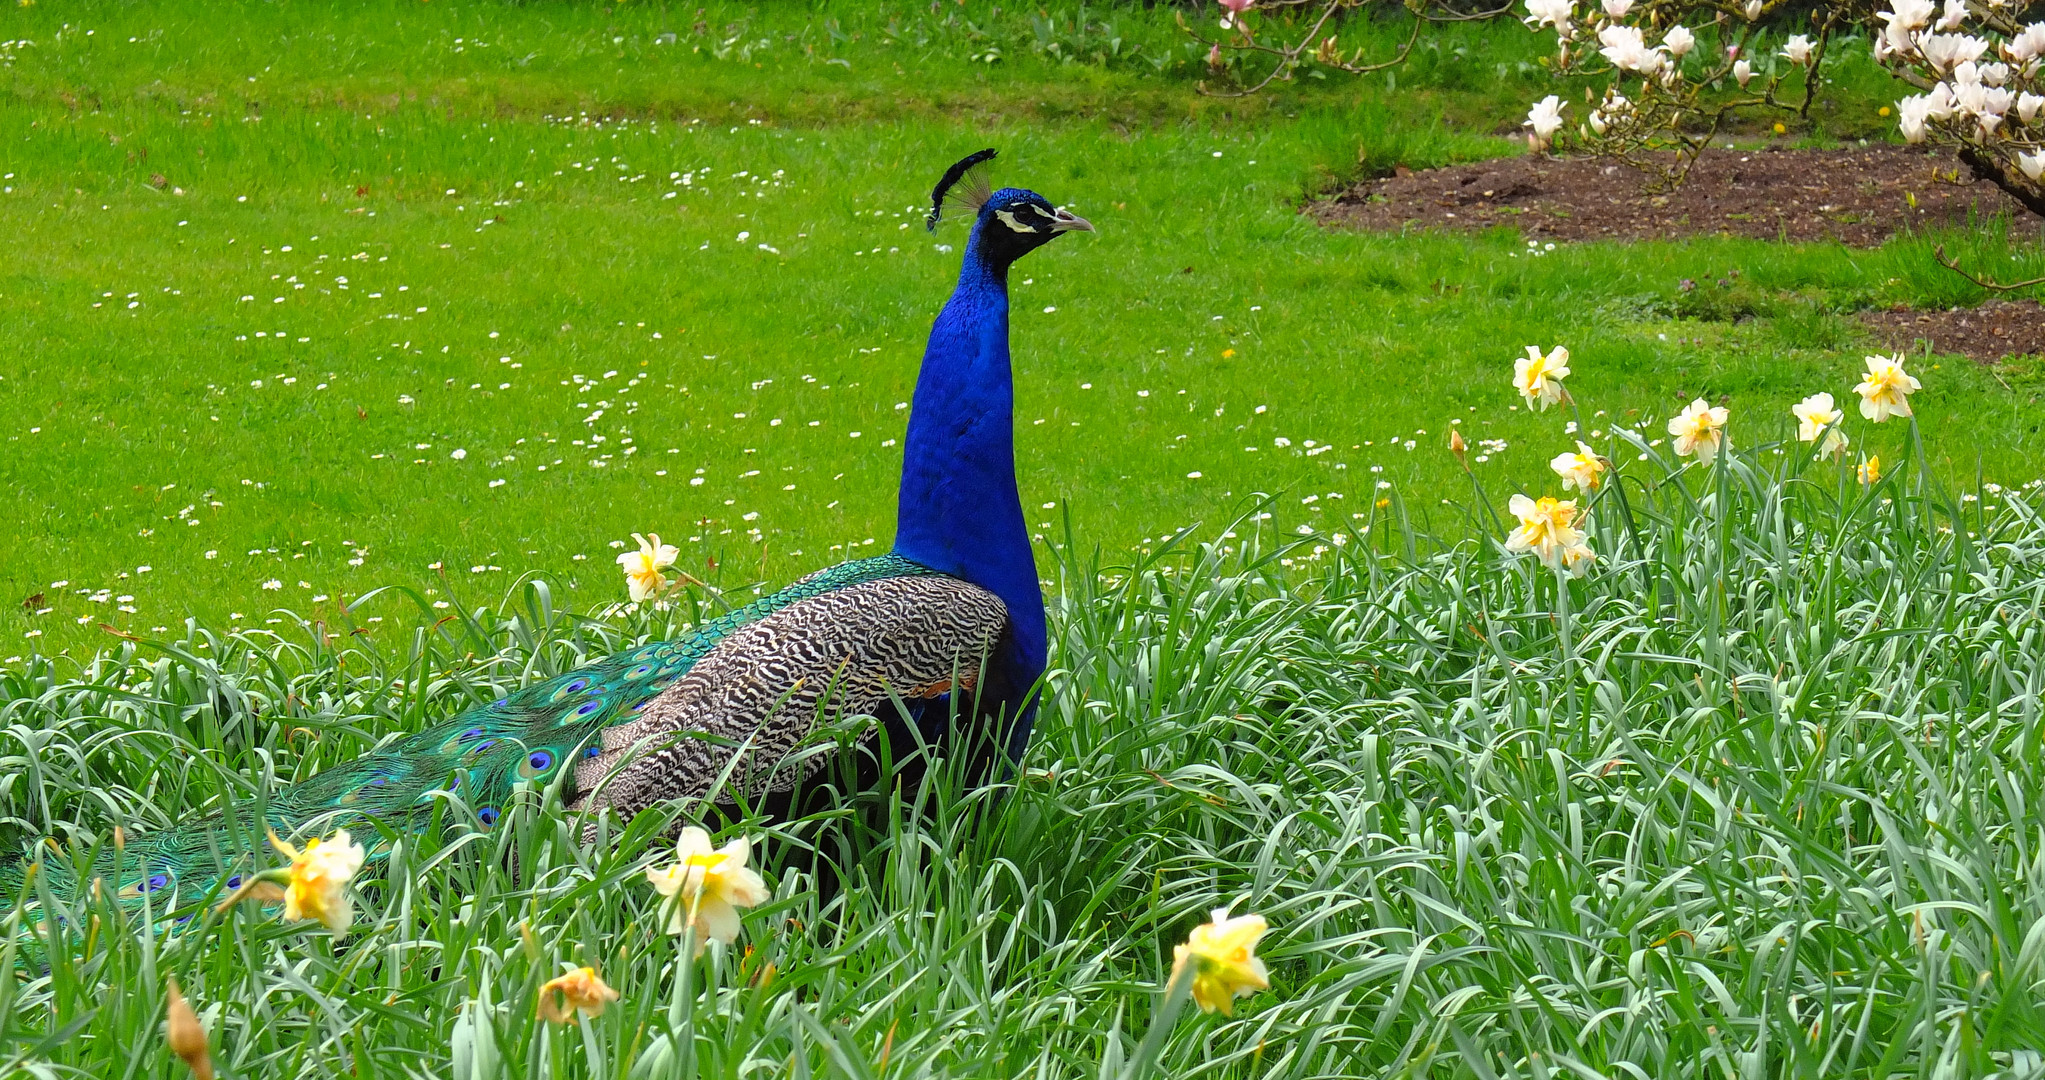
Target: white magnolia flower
(2028, 105)
(2026, 46)
(2033, 164)
(1991, 73)
(1905, 18)
(1679, 40)
(1743, 72)
(1797, 50)
(1555, 13)
(1753, 10)
(1955, 14)
(1545, 119)
(1947, 51)
(1627, 50)
(1618, 8)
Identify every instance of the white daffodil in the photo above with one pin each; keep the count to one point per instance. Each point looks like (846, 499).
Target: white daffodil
(706, 888)
(1550, 529)
(643, 568)
(1699, 429)
(1583, 470)
(1817, 417)
(1885, 388)
(1223, 954)
(1539, 378)
(320, 873)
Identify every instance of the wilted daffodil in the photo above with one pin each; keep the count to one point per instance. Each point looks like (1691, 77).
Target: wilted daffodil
(1223, 956)
(643, 567)
(706, 888)
(1699, 430)
(1539, 378)
(1885, 388)
(1583, 470)
(581, 990)
(1549, 529)
(320, 873)
(1816, 416)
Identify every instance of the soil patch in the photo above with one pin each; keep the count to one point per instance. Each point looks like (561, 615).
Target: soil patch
(1994, 331)
(1859, 197)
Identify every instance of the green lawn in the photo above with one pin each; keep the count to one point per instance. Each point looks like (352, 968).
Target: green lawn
(447, 296)
(394, 234)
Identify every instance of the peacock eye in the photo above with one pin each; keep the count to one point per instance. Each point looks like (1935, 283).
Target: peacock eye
(472, 733)
(487, 815)
(155, 882)
(539, 760)
(234, 882)
(588, 707)
(594, 751)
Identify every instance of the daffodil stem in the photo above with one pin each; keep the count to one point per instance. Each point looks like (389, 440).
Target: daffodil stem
(1176, 993)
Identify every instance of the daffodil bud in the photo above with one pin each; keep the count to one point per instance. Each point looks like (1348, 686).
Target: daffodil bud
(186, 1036)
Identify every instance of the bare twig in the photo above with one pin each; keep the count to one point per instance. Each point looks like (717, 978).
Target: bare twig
(1952, 264)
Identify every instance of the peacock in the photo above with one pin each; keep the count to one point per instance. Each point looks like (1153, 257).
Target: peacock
(950, 622)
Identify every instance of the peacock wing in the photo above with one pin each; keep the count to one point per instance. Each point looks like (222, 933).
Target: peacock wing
(741, 710)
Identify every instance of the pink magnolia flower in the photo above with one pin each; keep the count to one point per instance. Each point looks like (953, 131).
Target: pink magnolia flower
(1235, 9)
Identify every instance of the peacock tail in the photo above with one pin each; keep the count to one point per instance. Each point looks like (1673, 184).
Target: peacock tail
(527, 737)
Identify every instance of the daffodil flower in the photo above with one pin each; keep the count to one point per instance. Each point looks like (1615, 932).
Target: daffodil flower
(1583, 470)
(1870, 470)
(1549, 529)
(1699, 430)
(1223, 956)
(706, 888)
(1885, 388)
(1539, 378)
(643, 567)
(581, 990)
(1817, 416)
(320, 873)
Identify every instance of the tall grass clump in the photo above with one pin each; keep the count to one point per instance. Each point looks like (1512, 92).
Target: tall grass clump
(1755, 795)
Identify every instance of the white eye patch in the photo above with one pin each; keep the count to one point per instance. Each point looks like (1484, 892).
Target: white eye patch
(1008, 218)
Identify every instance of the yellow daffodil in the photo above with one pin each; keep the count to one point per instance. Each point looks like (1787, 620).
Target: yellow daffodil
(319, 879)
(1699, 430)
(1539, 378)
(1885, 388)
(1816, 416)
(186, 1036)
(706, 888)
(1871, 469)
(1583, 470)
(581, 990)
(1549, 529)
(1224, 958)
(643, 567)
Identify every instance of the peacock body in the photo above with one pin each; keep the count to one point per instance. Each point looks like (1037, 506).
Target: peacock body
(952, 613)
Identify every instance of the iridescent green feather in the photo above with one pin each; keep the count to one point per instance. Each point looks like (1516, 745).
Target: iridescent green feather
(480, 755)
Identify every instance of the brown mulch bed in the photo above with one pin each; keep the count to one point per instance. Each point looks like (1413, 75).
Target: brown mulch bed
(1991, 332)
(1859, 197)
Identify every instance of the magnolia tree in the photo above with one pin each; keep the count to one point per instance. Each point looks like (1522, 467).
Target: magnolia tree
(1675, 71)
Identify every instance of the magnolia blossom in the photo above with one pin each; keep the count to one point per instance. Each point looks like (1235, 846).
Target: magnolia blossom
(319, 879)
(1539, 378)
(2028, 45)
(1916, 111)
(1679, 40)
(1753, 10)
(1955, 15)
(580, 991)
(1885, 388)
(1797, 50)
(1233, 14)
(1223, 956)
(1555, 13)
(643, 567)
(1626, 49)
(1617, 8)
(1870, 470)
(1905, 18)
(1699, 429)
(2028, 105)
(2033, 164)
(1946, 51)
(1549, 528)
(1743, 72)
(1583, 470)
(706, 888)
(1545, 119)
(1818, 417)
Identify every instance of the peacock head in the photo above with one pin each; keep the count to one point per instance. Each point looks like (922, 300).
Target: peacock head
(1007, 224)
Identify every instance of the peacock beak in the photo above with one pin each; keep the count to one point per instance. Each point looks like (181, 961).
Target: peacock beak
(1067, 221)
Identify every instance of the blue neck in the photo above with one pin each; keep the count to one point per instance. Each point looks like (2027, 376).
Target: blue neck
(960, 512)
